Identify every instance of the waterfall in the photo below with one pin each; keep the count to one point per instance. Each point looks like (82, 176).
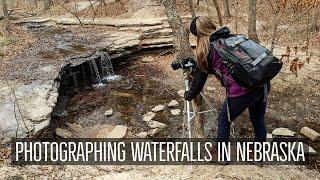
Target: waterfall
(106, 65)
(107, 68)
(106, 72)
(96, 71)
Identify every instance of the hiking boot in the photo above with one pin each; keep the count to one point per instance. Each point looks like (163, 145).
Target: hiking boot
(214, 154)
(251, 156)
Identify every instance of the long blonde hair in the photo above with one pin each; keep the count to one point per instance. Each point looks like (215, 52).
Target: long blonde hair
(205, 27)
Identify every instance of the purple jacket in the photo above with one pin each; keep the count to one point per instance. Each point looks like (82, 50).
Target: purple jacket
(234, 89)
(215, 65)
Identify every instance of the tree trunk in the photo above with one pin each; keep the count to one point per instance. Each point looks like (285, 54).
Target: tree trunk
(183, 50)
(277, 13)
(191, 9)
(252, 26)
(46, 4)
(5, 9)
(314, 19)
(209, 13)
(181, 38)
(237, 16)
(226, 8)
(216, 5)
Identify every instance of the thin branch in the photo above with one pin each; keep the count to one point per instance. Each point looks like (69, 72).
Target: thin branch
(73, 13)
(292, 22)
(16, 118)
(93, 10)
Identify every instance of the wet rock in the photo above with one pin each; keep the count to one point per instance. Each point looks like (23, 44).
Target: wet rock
(175, 112)
(62, 114)
(173, 103)
(63, 133)
(15, 177)
(181, 93)
(306, 149)
(310, 133)
(142, 135)
(158, 108)
(286, 106)
(210, 88)
(153, 132)
(283, 132)
(119, 131)
(98, 86)
(37, 127)
(300, 106)
(269, 137)
(156, 124)
(147, 59)
(108, 113)
(75, 127)
(148, 117)
(122, 94)
(133, 67)
(104, 130)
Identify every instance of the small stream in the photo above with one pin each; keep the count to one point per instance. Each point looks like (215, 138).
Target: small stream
(129, 97)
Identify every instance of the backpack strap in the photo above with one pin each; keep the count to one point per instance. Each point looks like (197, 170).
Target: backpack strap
(227, 99)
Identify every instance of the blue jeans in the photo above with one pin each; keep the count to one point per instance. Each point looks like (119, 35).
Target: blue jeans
(253, 100)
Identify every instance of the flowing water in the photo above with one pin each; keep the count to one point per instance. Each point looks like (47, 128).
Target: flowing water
(106, 72)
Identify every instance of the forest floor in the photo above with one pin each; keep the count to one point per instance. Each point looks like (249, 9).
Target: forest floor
(293, 101)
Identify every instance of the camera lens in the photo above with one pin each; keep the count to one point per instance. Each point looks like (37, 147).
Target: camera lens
(175, 65)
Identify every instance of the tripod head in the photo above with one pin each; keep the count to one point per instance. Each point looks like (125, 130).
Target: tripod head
(187, 64)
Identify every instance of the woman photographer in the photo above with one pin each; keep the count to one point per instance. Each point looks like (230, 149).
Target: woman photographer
(238, 98)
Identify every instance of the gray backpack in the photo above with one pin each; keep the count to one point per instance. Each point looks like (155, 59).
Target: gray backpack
(249, 63)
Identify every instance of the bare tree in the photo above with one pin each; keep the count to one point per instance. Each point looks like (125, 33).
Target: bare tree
(226, 8)
(209, 14)
(183, 50)
(235, 6)
(216, 5)
(276, 20)
(252, 25)
(5, 9)
(277, 35)
(191, 9)
(181, 38)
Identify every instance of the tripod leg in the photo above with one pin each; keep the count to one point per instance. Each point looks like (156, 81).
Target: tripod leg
(189, 118)
(186, 83)
(184, 118)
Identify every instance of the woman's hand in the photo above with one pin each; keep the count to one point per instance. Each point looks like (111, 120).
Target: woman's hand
(187, 96)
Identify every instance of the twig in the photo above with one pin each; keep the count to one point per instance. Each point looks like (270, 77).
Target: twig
(15, 116)
(73, 13)
(19, 110)
(92, 6)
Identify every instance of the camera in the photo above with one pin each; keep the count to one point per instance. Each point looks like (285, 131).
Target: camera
(187, 63)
